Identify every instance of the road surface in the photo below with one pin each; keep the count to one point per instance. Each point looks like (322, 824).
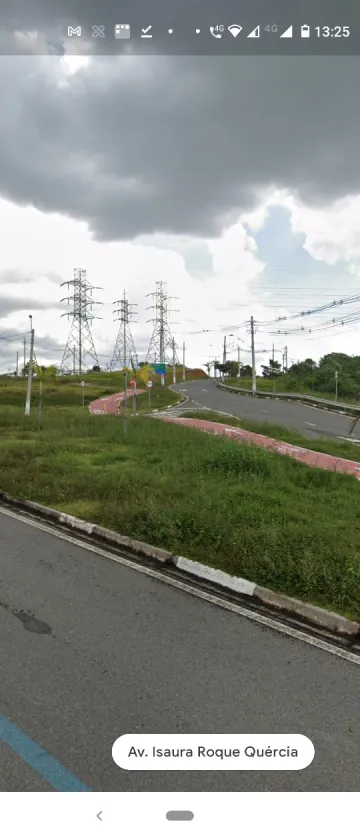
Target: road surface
(312, 422)
(92, 649)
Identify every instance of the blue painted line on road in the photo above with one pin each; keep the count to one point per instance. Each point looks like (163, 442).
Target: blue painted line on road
(40, 760)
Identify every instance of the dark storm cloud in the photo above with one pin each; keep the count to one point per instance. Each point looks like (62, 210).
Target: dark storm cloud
(138, 146)
(13, 277)
(9, 305)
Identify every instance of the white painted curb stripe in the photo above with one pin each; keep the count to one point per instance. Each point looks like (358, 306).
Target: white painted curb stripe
(214, 576)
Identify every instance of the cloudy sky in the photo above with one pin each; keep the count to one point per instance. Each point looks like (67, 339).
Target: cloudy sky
(234, 180)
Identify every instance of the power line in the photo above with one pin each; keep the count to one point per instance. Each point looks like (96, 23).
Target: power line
(14, 337)
(315, 310)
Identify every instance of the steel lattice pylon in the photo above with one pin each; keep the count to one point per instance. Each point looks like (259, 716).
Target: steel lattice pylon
(161, 343)
(124, 354)
(80, 353)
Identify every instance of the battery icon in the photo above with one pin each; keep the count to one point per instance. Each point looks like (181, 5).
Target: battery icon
(305, 31)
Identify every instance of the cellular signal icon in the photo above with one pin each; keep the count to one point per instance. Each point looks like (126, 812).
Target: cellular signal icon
(235, 29)
(288, 33)
(255, 33)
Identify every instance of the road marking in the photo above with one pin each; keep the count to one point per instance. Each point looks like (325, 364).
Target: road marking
(348, 439)
(41, 761)
(309, 424)
(217, 600)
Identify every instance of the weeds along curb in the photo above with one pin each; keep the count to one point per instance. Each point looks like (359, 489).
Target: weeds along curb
(315, 616)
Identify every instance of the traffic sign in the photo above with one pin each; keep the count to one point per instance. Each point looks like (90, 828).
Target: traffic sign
(149, 383)
(159, 369)
(133, 383)
(82, 384)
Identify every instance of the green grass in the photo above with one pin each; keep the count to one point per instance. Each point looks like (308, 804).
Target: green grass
(66, 391)
(240, 508)
(331, 446)
(265, 385)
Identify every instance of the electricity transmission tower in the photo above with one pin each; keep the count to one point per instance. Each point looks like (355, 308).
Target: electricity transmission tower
(124, 354)
(161, 343)
(80, 349)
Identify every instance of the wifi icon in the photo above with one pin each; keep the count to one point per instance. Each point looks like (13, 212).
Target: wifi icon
(235, 29)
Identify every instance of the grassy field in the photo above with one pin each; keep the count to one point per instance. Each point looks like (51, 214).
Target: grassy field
(267, 386)
(240, 508)
(331, 446)
(66, 391)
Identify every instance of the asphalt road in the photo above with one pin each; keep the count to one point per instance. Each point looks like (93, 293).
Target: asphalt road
(91, 650)
(312, 422)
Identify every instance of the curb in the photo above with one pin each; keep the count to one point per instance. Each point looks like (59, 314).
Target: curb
(316, 616)
(89, 528)
(297, 399)
(167, 407)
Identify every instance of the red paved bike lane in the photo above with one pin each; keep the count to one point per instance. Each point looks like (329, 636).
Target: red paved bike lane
(306, 456)
(111, 404)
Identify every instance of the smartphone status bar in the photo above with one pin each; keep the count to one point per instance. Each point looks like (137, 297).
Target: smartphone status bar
(197, 38)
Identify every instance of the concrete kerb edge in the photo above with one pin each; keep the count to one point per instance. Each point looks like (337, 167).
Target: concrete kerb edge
(89, 528)
(349, 412)
(314, 615)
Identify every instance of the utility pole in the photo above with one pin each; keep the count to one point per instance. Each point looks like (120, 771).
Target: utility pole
(224, 359)
(273, 373)
(239, 366)
(286, 359)
(336, 385)
(17, 363)
(252, 332)
(80, 336)
(161, 342)
(125, 404)
(74, 360)
(174, 362)
(24, 356)
(28, 392)
(184, 361)
(124, 350)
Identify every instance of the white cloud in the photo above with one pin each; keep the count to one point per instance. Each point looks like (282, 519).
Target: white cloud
(50, 246)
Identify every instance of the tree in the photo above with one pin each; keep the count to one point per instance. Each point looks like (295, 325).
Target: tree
(271, 370)
(246, 371)
(231, 368)
(145, 373)
(96, 369)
